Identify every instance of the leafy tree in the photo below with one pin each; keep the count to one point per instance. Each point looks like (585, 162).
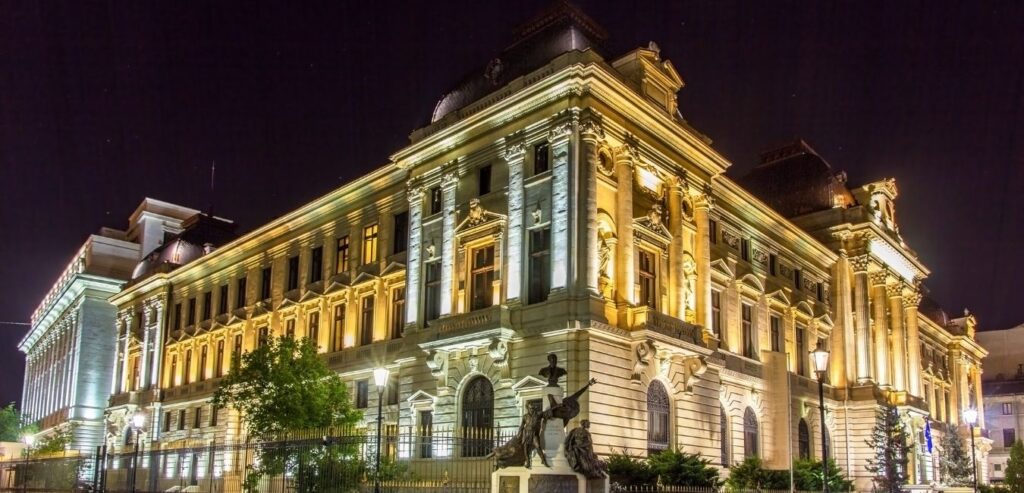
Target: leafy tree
(678, 468)
(889, 441)
(56, 442)
(284, 389)
(629, 470)
(807, 476)
(1014, 478)
(10, 424)
(956, 466)
(751, 475)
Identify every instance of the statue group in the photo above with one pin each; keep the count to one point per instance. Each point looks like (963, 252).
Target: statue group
(578, 446)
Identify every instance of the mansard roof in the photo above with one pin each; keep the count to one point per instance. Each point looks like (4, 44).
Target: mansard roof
(794, 180)
(561, 28)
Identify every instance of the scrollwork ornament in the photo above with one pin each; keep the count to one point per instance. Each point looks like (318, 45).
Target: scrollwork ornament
(591, 129)
(514, 151)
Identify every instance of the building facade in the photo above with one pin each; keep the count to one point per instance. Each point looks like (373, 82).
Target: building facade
(557, 202)
(69, 349)
(1003, 389)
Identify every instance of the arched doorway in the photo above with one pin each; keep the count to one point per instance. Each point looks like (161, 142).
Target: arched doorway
(658, 421)
(477, 418)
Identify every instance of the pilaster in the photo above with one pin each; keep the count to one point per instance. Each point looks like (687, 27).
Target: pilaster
(515, 154)
(559, 138)
(413, 266)
(910, 303)
(881, 327)
(701, 207)
(449, 182)
(591, 134)
(899, 350)
(624, 276)
(861, 320)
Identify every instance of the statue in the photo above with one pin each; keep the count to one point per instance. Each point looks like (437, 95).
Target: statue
(604, 256)
(579, 451)
(569, 407)
(552, 372)
(519, 449)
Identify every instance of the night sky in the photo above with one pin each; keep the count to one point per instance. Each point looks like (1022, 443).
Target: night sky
(104, 103)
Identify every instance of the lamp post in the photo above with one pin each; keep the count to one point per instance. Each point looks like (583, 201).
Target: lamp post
(29, 440)
(971, 418)
(138, 421)
(819, 357)
(380, 377)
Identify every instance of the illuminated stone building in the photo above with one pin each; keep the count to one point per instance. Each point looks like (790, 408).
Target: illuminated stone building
(1003, 387)
(69, 349)
(557, 201)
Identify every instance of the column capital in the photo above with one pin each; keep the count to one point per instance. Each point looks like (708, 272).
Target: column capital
(894, 290)
(414, 191)
(591, 127)
(450, 174)
(879, 277)
(514, 146)
(703, 198)
(860, 263)
(563, 124)
(911, 298)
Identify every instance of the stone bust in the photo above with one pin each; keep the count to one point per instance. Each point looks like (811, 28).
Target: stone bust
(552, 372)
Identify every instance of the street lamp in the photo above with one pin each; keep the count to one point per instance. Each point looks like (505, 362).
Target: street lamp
(380, 377)
(138, 421)
(29, 440)
(819, 357)
(971, 418)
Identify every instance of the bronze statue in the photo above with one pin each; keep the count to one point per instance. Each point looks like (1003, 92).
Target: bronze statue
(579, 451)
(519, 449)
(552, 372)
(569, 407)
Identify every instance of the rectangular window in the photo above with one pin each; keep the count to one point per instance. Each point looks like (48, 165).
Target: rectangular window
(240, 293)
(392, 398)
(366, 321)
(435, 200)
(191, 312)
(647, 279)
(370, 234)
(540, 158)
(289, 328)
(313, 329)
(745, 249)
(181, 419)
(202, 362)
(801, 351)
(716, 313)
(776, 333)
(338, 332)
(188, 367)
(432, 295)
(482, 277)
(167, 421)
(397, 312)
(483, 176)
(773, 263)
(293, 273)
(400, 240)
(316, 264)
(197, 418)
(207, 305)
(222, 300)
(177, 316)
(236, 350)
(218, 360)
(265, 279)
(213, 415)
(174, 370)
(1009, 437)
(748, 330)
(713, 230)
(362, 394)
(797, 279)
(341, 261)
(540, 265)
(820, 291)
(1007, 408)
(426, 432)
(263, 336)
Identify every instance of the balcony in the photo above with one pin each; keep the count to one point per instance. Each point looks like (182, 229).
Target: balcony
(466, 328)
(134, 398)
(647, 318)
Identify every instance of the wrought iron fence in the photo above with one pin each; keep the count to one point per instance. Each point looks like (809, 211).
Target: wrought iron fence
(449, 460)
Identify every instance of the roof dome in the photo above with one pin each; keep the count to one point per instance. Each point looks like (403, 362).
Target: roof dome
(200, 236)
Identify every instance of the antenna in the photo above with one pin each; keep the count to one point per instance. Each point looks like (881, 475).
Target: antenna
(213, 176)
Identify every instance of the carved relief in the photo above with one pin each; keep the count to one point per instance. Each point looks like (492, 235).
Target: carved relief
(730, 238)
(760, 256)
(498, 350)
(691, 369)
(642, 354)
(476, 212)
(437, 361)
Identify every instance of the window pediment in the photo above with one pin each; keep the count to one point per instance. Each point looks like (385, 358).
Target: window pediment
(479, 222)
(651, 228)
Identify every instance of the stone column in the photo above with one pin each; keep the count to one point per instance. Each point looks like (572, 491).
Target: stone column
(144, 352)
(449, 182)
(558, 138)
(677, 278)
(910, 303)
(591, 134)
(515, 155)
(881, 328)
(413, 265)
(624, 275)
(115, 381)
(844, 342)
(862, 323)
(899, 350)
(158, 350)
(701, 206)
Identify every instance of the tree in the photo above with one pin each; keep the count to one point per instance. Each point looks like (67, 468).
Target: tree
(1014, 478)
(678, 468)
(10, 424)
(807, 476)
(751, 475)
(889, 442)
(956, 466)
(284, 389)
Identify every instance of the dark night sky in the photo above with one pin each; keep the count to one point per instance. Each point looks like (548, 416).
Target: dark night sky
(104, 103)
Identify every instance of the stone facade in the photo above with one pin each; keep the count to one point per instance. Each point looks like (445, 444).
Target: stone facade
(560, 204)
(1003, 390)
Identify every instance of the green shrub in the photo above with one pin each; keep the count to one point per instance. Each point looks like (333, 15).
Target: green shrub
(678, 468)
(807, 476)
(751, 475)
(626, 469)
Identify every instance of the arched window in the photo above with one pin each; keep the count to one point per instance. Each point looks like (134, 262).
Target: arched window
(477, 418)
(658, 428)
(803, 440)
(723, 430)
(750, 434)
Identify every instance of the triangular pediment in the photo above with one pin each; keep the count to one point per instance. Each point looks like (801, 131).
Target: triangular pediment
(336, 283)
(392, 269)
(722, 267)
(364, 277)
(421, 396)
(779, 297)
(309, 294)
(529, 382)
(478, 216)
(825, 319)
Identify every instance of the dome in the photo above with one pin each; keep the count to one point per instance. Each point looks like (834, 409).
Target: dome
(201, 234)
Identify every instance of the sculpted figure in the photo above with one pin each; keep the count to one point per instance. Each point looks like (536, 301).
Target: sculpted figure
(569, 407)
(518, 451)
(552, 372)
(579, 451)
